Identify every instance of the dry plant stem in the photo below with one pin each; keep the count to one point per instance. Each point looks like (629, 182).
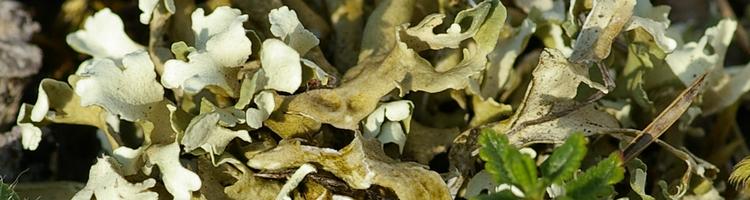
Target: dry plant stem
(625, 134)
(665, 119)
(609, 82)
(742, 37)
(684, 156)
(620, 133)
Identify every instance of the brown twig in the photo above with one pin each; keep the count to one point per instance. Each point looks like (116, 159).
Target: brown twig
(665, 120)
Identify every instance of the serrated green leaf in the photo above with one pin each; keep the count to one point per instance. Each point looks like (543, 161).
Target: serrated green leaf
(565, 160)
(492, 148)
(597, 181)
(506, 164)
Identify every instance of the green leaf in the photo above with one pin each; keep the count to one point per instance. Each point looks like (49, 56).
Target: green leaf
(493, 148)
(507, 164)
(565, 160)
(7, 193)
(597, 181)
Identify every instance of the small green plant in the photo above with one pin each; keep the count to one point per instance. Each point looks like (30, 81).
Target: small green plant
(517, 172)
(7, 193)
